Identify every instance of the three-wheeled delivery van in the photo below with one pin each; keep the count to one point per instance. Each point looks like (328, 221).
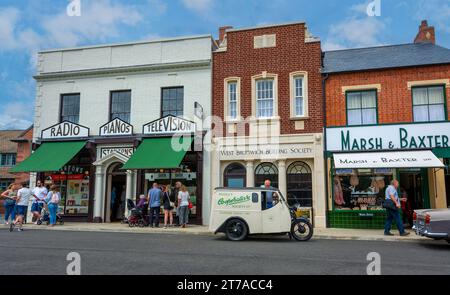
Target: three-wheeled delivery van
(239, 212)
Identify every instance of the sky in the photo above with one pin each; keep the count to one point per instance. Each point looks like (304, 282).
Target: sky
(27, 26)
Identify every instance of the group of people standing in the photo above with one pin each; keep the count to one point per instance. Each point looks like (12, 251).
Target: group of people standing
(176, 198)
(17, 198)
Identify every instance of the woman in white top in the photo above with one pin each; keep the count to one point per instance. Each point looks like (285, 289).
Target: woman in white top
(183, 203)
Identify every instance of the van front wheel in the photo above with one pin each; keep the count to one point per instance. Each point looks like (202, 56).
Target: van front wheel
(236, 230)
(301, 230)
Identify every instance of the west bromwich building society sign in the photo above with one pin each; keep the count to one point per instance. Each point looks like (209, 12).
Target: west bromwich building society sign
(389, 137)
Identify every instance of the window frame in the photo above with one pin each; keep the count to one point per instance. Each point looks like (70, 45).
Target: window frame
(162, 99)
(61, 99)
(376, 106)
(292, 89)
(13, 159)
(264, 76)
(443, 86)
(110, 102)
(226, 114)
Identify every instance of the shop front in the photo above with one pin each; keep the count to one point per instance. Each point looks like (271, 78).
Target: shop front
(293, 163)
(362, 161)
(64, 157)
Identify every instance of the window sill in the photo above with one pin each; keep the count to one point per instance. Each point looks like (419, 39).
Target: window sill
(299, 118)
(275, 118)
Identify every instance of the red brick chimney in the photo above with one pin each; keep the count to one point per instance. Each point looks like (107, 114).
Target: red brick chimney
(222, 32)
(426, 34)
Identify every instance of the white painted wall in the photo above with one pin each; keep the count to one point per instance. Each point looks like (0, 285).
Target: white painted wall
(145, 86)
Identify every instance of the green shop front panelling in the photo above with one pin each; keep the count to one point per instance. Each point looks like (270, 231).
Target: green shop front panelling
(50, 156)
(357, 219)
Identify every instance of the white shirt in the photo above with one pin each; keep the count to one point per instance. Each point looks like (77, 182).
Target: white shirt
(183, 198)
(41, 193)
(24, 194)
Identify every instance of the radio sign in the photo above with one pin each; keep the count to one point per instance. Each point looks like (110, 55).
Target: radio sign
(116, 127)
(65, 130)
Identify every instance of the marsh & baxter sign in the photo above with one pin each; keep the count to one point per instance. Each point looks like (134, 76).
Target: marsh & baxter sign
(389, 137)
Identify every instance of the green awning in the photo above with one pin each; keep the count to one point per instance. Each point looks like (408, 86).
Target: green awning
(158, 153)
(50, 156)
(442, 152)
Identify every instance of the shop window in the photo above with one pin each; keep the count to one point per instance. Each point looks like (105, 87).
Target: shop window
(360, 189)
(70, 108)
(121, 105)
(299, 184)
(266, 171)
(234, 175)
(7, 160)
(428, 103)
(172, 100)
(361, 107)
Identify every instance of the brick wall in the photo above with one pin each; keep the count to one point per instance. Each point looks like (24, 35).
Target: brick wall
(291, 54)
(394, 99)
(23, 152)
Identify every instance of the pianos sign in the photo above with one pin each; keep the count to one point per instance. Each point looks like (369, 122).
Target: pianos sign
(116, 127)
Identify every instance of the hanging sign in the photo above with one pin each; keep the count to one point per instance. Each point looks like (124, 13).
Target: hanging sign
(169, 124)
(65, 129)
(116, 127)
(124, 151)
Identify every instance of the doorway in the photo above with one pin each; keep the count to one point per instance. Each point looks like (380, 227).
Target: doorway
(115, 193)
(413, 187)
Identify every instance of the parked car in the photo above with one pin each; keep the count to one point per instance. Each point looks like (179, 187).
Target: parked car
(432, 223)
(239, 212)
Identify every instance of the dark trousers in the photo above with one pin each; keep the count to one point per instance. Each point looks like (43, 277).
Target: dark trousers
(154, 216)
(393, 215)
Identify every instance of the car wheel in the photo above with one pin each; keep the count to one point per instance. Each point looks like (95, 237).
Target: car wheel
(301, 230)
(236, 230)
(448, 241)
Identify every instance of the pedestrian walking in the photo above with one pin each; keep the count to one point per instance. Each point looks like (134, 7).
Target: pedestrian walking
(168, 206)
(39, 194)
(183, 201)
(24, 195)
(392, 205)
(9, 203)
(154, 197)
(52, 200)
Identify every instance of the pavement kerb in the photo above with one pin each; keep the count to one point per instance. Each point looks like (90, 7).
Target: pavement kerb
(203, 231)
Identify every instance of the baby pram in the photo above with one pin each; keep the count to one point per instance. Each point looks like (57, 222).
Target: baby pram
(45, 217)
(136, 215)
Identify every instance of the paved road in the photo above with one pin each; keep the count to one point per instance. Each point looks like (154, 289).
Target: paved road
(44, 252)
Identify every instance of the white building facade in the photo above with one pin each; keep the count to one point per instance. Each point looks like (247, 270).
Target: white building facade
(103, 103)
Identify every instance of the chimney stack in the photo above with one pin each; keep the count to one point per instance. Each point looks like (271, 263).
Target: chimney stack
(426, 34)
(222, 32)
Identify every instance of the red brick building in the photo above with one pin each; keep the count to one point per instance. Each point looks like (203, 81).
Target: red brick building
(380, 100)
(267, 92)
(24, 147)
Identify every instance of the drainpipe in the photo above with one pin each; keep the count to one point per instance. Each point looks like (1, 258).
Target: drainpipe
(324, 106)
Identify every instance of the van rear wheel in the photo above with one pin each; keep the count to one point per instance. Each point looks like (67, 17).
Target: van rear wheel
(236, 230)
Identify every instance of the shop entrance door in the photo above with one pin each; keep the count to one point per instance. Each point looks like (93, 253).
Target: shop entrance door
(115, 193)
(413, 186)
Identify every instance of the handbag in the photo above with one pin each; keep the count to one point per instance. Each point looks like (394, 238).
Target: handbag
(190, 206)
(389, 204)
